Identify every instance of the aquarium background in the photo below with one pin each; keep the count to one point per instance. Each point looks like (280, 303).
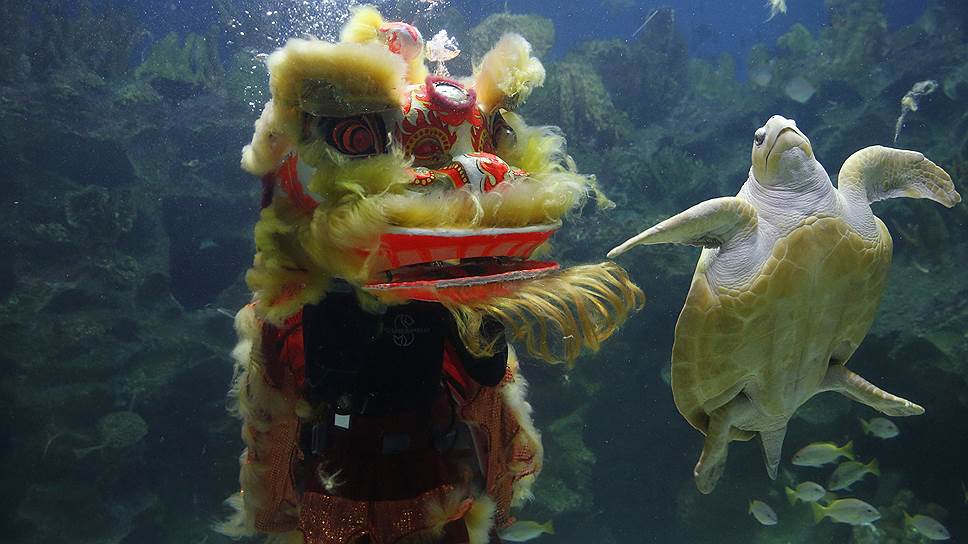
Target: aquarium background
(126, 228)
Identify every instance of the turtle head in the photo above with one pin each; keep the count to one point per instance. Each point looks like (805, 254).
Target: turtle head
(777, 140)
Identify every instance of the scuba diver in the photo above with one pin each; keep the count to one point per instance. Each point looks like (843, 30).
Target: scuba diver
(381, 400)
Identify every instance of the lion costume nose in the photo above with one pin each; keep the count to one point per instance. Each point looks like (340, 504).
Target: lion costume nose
(480, 171)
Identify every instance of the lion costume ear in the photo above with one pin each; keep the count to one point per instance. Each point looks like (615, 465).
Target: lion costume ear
(507, 74)
(269, 144)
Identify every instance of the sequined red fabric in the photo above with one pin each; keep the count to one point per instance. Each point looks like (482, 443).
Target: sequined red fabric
(325, 519)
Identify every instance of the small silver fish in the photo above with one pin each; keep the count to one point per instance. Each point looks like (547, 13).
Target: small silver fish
(665, 374)
(648, 20)
(819, 454)
(799, 90)
(850, 472)
(523, 531)
(879, 427)
(806, 492)
(761, 75)
(762, 512)
(927, 527)
(786, 477)
(776, 7)
(849, 511)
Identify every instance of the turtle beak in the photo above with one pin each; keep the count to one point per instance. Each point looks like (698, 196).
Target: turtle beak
(788, 138)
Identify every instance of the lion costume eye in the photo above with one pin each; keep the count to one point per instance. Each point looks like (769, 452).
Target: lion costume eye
(357, 136)
(353, 137)
(502, 135)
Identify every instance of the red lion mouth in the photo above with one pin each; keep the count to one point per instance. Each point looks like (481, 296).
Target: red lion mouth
(457, 264)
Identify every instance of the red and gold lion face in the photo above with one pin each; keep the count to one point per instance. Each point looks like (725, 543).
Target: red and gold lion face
(411, 186)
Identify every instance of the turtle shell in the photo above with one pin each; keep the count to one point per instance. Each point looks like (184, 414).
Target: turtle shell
(773, 337)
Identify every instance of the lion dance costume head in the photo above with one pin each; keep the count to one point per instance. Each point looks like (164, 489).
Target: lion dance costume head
(402, 186)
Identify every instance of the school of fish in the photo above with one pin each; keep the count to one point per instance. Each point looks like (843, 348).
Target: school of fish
(826, 504)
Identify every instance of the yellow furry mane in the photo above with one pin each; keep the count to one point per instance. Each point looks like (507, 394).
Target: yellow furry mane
(555, 317)
(507, 74)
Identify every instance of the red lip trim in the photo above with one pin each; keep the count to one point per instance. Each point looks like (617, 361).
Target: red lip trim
(464, 289)
(400, 247)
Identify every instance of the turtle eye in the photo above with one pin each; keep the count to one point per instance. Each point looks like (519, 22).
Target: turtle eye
(759, 136)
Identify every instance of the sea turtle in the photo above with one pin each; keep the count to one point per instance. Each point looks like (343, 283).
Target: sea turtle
(785, 290)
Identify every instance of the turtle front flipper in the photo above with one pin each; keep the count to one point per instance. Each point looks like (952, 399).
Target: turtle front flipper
(707, 224)
(845, 382)
(878, 173)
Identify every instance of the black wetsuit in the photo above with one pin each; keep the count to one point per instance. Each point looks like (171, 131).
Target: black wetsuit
(383, 373)
(379, 364)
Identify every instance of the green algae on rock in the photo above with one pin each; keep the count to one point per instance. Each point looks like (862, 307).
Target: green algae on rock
(539, 31)
(177, 69)
(117, 430)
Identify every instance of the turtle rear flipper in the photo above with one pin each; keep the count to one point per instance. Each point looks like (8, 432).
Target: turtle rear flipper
(845, 382)
(720, 431)
(878, 173)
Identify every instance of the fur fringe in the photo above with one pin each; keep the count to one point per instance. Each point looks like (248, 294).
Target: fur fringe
(480, 520)
(514, 394)
(258, 404)
(555, 317)
(507, 74)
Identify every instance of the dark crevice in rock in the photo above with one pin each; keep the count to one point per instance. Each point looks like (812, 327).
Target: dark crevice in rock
(203, 263)
(8, 280)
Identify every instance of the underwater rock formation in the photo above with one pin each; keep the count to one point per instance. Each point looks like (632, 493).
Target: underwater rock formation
(51, 36)
(857, 37)
(575, 97)
(90, 329)
(178, 69)
(99, 216)
(565, 483)
(539, 31)
(647, 78)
